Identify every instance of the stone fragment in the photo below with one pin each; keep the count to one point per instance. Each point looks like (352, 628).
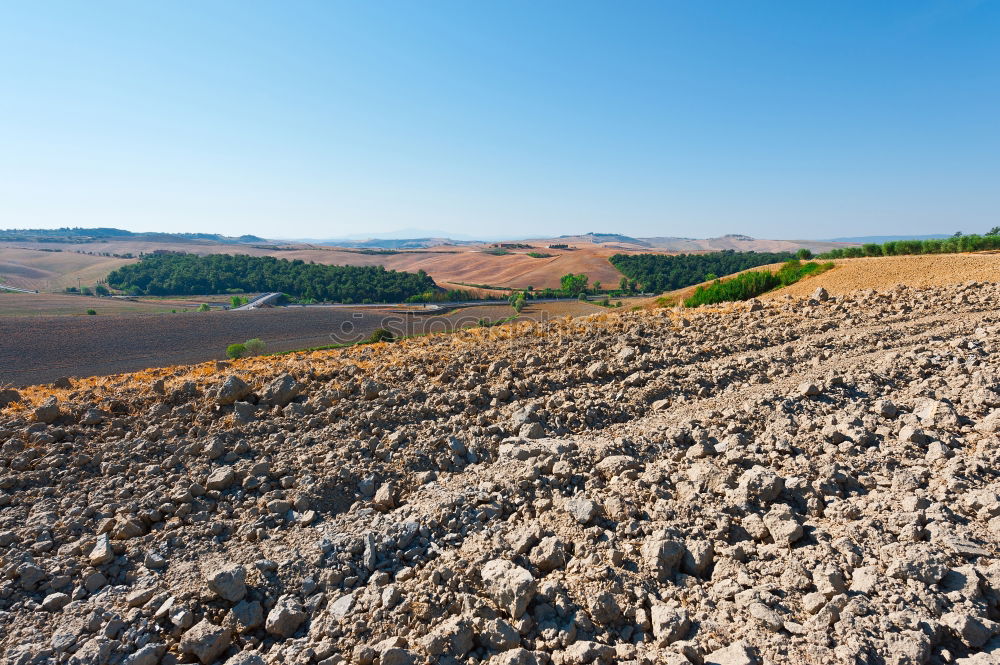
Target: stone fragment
(221, 479)
(662, 556)
(698, 557)
(582, 509)
(669, 624)
(967, 628)
(205, 641)
(759, 486)
(8, 396)
(228, 582)
(102, 552)
(385, 498)
(737, 653)
(248, 614)
(150, 654)
(285, 618)
(549, 554)
(782, 524)
(510, 586)
(809, 389)
(232, 390)
(48, 412)
(282, 390)
(55, 602)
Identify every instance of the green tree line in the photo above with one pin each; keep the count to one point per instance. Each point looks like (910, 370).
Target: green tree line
(657, 273)
(190, 274)
(953, 245)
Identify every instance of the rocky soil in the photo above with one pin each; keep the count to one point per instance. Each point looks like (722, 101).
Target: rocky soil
(799, 481)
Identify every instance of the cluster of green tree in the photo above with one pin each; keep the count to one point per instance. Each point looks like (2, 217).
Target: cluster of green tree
(953, 245)
(516, 301)
(251, 347)
(451, 295)
(497, 251)
(99, 289)
(189, 274)
(657, 272)
(574, 285)
(559, 246)
(754, 283)
(539, 255)
(373, 252)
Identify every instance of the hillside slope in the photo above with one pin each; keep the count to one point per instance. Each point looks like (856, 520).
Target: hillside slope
(882, 273)
(53, 271)
(810, 482)
(887, 272)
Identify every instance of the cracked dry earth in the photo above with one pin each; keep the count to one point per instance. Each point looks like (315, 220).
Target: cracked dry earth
(800, 481)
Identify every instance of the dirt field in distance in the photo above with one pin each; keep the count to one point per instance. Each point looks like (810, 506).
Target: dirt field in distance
(40, 349)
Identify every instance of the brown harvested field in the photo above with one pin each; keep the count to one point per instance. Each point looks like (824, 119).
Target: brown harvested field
(886, 272)
(879, 273)
(40, 349)
(40, 270)
(448, 265)
(57, 304)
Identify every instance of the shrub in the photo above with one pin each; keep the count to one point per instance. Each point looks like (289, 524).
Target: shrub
(235, 351)
(539, 255)
(91, 312)
(380, 335)
(752, 284)
(203, 307)
(804, 254)
(573, 285)
(101, 290)
(254, 347)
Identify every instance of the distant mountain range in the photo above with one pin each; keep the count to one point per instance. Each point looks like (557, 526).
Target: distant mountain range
(81, 235)
(880, 239)
(402, 240)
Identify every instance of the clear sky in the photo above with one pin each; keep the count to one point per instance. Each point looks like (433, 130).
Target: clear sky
(792, 119)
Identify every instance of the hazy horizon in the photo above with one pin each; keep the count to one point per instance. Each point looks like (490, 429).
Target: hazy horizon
(335, 119)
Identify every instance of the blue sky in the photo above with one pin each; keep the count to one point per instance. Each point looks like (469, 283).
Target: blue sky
(322, 119)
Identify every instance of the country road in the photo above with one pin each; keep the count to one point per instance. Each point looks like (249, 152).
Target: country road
(4, 287)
